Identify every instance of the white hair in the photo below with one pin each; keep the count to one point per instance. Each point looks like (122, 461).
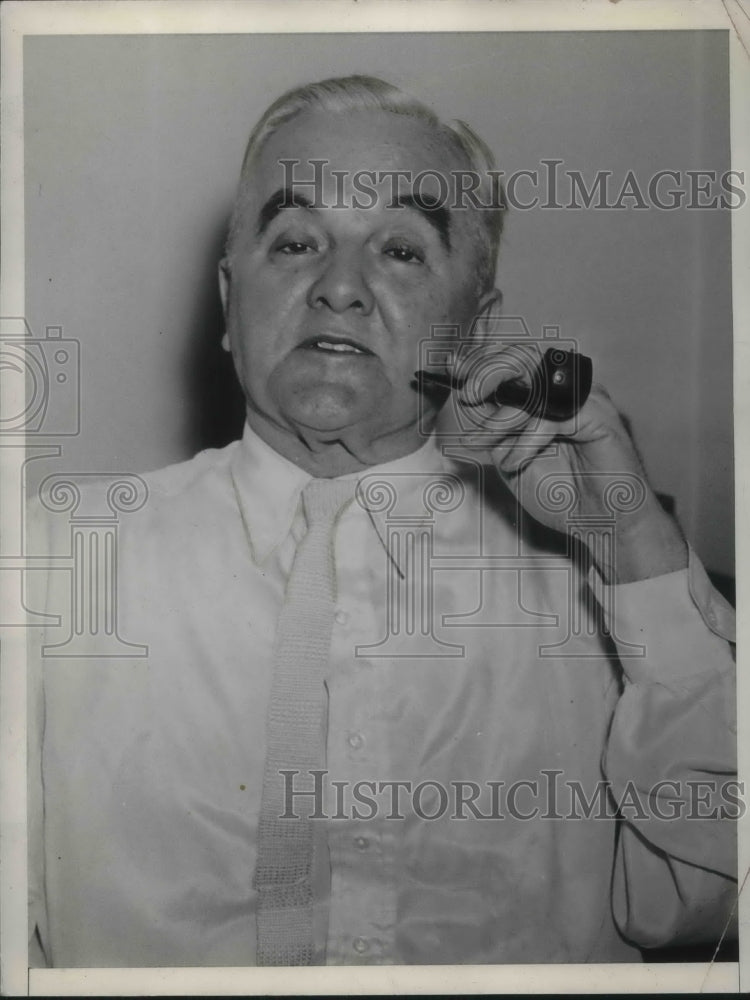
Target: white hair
(362, 93)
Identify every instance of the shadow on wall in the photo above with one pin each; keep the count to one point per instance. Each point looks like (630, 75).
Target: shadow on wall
(217, 407)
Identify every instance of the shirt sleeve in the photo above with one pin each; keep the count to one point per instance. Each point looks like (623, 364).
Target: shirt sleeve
(670, 759)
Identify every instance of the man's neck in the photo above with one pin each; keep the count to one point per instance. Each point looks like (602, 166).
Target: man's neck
(330, 459)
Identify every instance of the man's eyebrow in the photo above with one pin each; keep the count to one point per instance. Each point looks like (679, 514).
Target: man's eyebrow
(431, 209)
(281, 199)
(428, 207)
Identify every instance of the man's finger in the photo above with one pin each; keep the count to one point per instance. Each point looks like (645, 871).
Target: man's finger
(514, 454)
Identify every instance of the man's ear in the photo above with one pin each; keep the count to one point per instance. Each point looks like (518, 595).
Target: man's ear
(490, 301)
(225, 279)
(486, 311)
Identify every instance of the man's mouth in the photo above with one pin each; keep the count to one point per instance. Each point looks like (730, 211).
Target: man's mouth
(334, 344)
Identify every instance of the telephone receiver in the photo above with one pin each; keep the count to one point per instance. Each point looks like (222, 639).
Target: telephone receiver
(557, 389)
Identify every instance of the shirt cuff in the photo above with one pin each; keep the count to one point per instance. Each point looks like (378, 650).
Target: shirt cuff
(662, 626)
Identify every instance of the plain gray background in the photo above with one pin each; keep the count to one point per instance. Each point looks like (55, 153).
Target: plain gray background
(133, 146)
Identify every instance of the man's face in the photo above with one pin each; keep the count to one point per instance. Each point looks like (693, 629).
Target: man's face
(326, 307)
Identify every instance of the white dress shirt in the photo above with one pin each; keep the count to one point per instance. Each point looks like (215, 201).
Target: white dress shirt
(463, 655)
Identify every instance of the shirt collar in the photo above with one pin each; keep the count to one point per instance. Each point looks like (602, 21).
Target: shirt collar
(269, 486)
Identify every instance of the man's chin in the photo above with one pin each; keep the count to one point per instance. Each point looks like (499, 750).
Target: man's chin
(327, 410)
(354, 436)
(333, 443)
(354, 429)
(361, 418)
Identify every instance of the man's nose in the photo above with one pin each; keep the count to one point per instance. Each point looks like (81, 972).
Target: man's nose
(342, 285)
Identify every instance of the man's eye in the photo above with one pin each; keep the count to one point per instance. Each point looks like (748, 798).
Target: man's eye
(294, 248)
(404, 253)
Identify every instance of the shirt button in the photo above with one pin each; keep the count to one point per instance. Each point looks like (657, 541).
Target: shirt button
(355, 741)
(361, 945)
(362, 843)
(341, 617)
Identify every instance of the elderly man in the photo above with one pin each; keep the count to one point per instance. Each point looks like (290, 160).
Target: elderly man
(376, 716)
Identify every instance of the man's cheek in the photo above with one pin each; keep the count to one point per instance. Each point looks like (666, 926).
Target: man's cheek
(281, 306)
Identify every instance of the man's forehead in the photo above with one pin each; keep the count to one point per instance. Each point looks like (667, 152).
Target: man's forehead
(350, 144)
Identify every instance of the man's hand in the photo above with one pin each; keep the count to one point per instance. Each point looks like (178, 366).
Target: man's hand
(544, 461)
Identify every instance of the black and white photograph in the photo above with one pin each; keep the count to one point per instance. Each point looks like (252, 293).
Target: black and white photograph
(370, 450)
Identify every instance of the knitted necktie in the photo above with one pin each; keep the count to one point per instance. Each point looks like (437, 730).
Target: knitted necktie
(294, 726)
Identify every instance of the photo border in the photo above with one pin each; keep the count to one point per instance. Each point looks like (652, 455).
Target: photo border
(21, 19)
